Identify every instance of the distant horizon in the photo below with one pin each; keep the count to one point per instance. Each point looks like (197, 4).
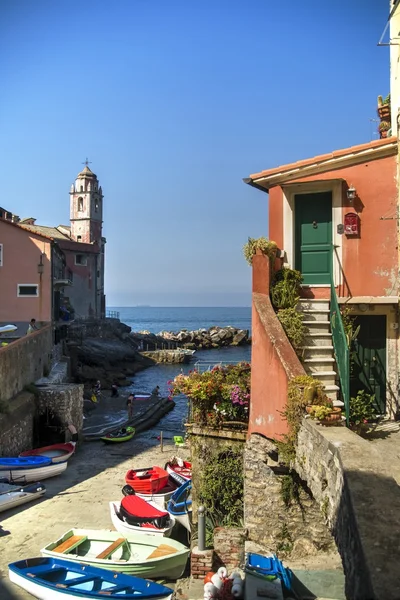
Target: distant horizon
(176, 306)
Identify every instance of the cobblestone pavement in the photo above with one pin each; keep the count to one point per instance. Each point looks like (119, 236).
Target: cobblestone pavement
(78, 498)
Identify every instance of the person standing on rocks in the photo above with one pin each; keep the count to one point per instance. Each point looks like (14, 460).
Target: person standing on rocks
(129, 405)
(114, 390)
(156, 391)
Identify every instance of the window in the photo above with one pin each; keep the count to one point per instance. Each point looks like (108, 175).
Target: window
(81, 259)
(27, 290)
(81, 188)
(96, 206)
(1, 255)
(80, 204)
(78, 238)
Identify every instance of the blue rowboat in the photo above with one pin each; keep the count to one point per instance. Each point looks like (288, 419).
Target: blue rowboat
(26, 462)
(57, 579)
(27, 469)
(180, 504)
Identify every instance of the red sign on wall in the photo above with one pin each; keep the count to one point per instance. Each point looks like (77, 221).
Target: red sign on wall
(351, 224)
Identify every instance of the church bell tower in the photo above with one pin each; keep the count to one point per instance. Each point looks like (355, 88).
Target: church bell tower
(86, 208)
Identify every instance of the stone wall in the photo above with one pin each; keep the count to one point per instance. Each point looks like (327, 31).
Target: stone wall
(206, 442)
(229, 547)
(16, 426)
(25, 361)
(361, 503)
(279, 511)
(58, 405)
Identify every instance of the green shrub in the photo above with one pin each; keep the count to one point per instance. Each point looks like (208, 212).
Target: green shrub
(362, 408)
(285, 288)
(292, 322)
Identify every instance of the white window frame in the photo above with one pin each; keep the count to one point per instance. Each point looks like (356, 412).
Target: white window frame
(81, 264)
(27, 295)
(1, 255)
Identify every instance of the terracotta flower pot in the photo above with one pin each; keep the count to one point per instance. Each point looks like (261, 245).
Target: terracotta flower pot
(384, 112)
(383, 134)
(331, 419)
(309, 409)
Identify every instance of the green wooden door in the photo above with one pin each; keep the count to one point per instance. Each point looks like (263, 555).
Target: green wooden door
(369, 359)
(313, 237)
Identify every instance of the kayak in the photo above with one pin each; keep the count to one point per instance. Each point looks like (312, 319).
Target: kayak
(122, 435)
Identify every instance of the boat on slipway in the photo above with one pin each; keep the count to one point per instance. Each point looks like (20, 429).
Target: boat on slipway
(58, 579)
(146, 527)
(57, 452)
(180, 470)
(152, 557)
(149, 480)
(12, 495)
(180, 505)
(27, 469)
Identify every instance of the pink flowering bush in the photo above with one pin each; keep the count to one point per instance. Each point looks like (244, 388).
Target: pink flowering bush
(219, 395)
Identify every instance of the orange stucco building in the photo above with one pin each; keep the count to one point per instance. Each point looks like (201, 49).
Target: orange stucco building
(334, 218)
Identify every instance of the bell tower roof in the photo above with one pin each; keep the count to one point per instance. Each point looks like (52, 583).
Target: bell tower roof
(87, 173)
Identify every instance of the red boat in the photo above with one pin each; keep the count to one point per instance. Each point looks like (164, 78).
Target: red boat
(147, 481)
(58, 453)
(180, 470)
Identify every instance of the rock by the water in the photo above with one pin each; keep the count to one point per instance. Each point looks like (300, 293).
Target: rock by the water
(214, 337)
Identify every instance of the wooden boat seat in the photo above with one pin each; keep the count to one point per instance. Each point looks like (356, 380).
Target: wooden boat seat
(162, 550)
(116, 590)
(77, 581)
(70, 544)
(111, 548)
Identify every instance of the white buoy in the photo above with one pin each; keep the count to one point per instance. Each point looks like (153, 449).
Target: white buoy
(222, 572)
(217, 581)
(210, 591)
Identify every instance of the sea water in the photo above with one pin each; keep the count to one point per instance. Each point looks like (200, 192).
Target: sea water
(156, 319)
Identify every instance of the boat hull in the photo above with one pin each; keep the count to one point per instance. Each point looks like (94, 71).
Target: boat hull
(16, 495)
(141, 547)
(115, 438)
(58, 587)
(126, 528)
(57, 452)
(162, 497)
(180, 505)
(32, 475)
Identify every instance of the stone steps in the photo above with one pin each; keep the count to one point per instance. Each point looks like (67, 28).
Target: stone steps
(317, 352)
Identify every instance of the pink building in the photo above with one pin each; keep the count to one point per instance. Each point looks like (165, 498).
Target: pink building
(31, 274)
(82, 244)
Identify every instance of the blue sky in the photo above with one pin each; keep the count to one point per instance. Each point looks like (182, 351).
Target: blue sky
(174, 102)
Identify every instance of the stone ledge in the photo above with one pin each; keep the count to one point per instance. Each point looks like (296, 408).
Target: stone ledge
(229, 434)
(361, 500)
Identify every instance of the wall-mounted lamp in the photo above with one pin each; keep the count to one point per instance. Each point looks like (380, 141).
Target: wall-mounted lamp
(40, 267)
(351, 193)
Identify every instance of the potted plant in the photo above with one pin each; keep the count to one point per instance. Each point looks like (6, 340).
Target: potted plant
(266, 246)
(362, 411)
(384, 127)
(384, 108)
(326, 415)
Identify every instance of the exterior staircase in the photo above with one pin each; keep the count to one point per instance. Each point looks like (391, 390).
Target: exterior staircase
(318, 356)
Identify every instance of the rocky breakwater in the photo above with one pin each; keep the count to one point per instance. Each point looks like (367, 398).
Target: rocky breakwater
(103, 350)
(214, 337)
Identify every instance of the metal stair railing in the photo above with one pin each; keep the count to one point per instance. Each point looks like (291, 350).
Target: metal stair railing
(341, 348)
